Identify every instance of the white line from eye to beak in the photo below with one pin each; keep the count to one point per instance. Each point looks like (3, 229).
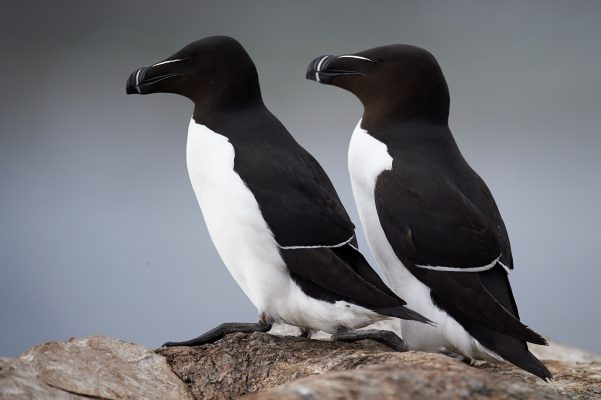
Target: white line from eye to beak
(166, 62)
(357, 57)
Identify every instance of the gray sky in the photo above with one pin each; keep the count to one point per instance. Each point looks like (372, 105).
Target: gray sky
(99, 228)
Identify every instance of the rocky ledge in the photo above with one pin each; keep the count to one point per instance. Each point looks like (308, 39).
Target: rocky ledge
(263, 366)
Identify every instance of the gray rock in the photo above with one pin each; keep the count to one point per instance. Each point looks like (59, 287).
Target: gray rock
(93, 367)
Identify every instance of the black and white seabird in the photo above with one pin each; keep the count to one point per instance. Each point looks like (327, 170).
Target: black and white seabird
(431, 221)
(270, 209)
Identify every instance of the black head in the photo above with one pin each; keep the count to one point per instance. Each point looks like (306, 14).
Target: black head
(214, 72)
(393, 82)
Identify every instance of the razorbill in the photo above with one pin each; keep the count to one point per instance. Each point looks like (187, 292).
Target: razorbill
(270, 209)
(431, 221)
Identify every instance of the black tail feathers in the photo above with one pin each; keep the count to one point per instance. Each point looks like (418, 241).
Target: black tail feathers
(533, 337)
(403, 313)
(512, 350)
(530, 363)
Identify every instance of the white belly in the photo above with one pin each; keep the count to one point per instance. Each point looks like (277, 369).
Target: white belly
(237, 228)
(367, 158)
(246, 244)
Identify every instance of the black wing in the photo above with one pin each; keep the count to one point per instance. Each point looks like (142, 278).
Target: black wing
(342, 273)
(295, 195)
(434, 224)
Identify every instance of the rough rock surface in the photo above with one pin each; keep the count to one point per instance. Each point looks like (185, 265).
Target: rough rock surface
(264, 366)
(243, 364)
(95, 367)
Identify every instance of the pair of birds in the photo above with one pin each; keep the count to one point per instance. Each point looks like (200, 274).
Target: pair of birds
(282, 232)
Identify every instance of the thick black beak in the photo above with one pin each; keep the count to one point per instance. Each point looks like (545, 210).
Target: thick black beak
(140, 81)
(323, 70)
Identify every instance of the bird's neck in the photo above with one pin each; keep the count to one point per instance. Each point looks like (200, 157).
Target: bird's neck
(215, 111)
(376, 116)
(410, 133)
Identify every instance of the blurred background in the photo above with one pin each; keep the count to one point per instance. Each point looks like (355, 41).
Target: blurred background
(100, 231)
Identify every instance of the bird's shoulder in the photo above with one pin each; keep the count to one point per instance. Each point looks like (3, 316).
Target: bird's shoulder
(295, 195)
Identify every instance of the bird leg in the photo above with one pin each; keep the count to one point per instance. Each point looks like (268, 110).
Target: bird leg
(388, 338)
(226, 328)
(305, 333)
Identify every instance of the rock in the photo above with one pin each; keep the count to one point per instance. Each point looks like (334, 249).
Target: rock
(413, 382)
(241, 363)
(263, 366)
(93, 367)
(305, 369)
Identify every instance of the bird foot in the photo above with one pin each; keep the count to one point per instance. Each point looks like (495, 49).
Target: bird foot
(305, 333)
(388, 338)
(220, 331)
(458, 357)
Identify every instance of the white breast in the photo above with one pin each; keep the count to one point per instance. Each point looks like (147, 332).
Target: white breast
(234, 221)
(247, 245)
(367, 159)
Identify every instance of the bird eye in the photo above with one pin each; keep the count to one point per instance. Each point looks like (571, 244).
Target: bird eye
(188, 60)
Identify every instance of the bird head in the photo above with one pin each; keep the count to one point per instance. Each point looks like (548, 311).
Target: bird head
(212, 72)
(395, 81)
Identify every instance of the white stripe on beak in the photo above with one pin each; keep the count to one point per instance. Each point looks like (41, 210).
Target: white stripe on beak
(138, 80)
(319, 68)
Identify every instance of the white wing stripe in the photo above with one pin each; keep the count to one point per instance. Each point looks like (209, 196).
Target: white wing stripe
(318, 246)
(459, 269)
(505, 267)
